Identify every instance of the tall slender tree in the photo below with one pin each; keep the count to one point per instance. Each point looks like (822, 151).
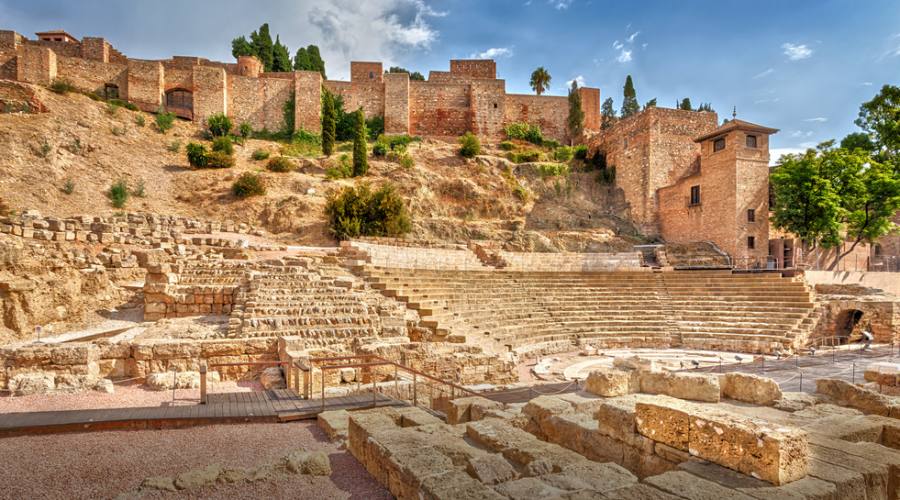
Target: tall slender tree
(540, 80)
(263, 46)
(630, 104)
(315, 58)
(329, 122)
(607, 113)
(575, 122)
(360, 148)
(281, 58)
(241, 47)
(686, 104)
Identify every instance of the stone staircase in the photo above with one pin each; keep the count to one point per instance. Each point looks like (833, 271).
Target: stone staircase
(534, 313)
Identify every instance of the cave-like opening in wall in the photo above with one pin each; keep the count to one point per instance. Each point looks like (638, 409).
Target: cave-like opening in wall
(846, 326)
(180, 102)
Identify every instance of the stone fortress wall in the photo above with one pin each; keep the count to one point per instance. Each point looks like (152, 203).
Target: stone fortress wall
(469, 97)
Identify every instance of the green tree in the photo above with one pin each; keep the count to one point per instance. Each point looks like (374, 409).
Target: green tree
(329, 123)
(607, 113)
(241, 47)
(540, 80)
(413, 75)
(309, 59)
(301, 60)
(575, 122)
(706, 107)
(281, 58)
(315, 58)
(360, 148)
(829, 195)
(263, 46)
(859, 140)
(686, 104)
(880, 118)
(630, 104)
(650, 104)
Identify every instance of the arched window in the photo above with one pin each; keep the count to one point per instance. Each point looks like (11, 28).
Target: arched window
(111, 91)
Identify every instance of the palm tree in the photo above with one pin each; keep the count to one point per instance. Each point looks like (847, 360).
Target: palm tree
(540, 80)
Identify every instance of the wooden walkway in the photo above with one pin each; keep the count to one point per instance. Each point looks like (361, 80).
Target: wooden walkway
(223, 408)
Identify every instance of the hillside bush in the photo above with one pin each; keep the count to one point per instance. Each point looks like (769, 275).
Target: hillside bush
(524, 132)
(607, 175)
(526, 156)
(280, 164)
(563, 153)
(507, 145)
(174, 146)
(580, 152)
(260, 154)
(359, 211)
(223, 144)
(219, 159)
(303, 143)
(164, 120)
(112, 108)
(69, 186)
(140, 191)
(342, 169)
(219, 125)
(407, 161)
(118, 193)
(62, 86)
(130, 106)
(196, 154)
(246, 130)
(552, 170)
(380, 149)
(139, 120)
(470, 146)
(550, 144)
(374, 127)
(248, 184)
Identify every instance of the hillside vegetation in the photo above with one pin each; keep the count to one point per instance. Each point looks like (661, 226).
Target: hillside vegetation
(64, 161)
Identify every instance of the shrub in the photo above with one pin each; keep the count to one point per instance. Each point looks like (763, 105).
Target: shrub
(520, 192)
(164, 120)
(379, 149)
(549, 144)
(360, 151)
(118, 131)
(406, 161)
(196, 154)
(174, 146)
(374, 127)
(527, 156)
(580, 152)
(112, 108)
(140, 121)
(280, 164)
(219, 159)
(248, 184)
(358, 211)
(563, 153)
(303, 143)
(525, 132)
(398, 142)
(470, 146)
(552, 169)
(69, 186)
(118, 194)
(140, 191)
(507, 146)
(223, 144)
(246, 130)
(44, 149)
(62, 86)
(342, 170)
(260, 154)
(130, 106)
(219, 125)
(607, 175)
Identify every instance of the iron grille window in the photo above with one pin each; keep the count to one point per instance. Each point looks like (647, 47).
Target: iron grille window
(751, 215)
(719, 144)
(111, 91)
(751, 242)
(695, 195)
(751, 141)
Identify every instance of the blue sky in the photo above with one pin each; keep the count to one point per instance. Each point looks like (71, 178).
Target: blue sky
(802, 66)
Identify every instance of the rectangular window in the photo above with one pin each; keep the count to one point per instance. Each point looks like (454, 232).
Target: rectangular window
(751, 215)
(695, 195)
(751, 141)
(719, 144)
(751, 242)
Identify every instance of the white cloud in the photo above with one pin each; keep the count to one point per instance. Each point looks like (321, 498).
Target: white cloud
(618, 45)
(808, 145)
(624, 56)
(818, 119)
(801, 133)
(776, 153)
(764, 74)
(493, 53)
(796, 52)
(377, 30)
(644, 45)
(632, 36)
(578, 79)
(866, 84)
(764, 101)
(560, 4)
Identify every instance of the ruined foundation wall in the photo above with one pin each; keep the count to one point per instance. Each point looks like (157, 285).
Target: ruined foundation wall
(441, 110)
(91, 75)
(548, 112)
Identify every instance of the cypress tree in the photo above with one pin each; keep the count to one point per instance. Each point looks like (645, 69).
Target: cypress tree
(329, 123)
(281, 58)
(315, 59)
(360, 148)
(630, 104)
(576, 114)
(262, 44)
(686, 104)
(301, 59)
(607, 113)
(241, 47)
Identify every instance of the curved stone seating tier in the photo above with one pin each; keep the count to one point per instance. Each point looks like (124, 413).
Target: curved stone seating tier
(536, 312)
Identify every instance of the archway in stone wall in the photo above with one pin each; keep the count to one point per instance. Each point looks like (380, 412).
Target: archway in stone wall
(180, 102)
(845, 325)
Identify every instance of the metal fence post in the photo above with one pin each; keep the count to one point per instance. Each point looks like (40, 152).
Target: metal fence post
(801, 381)
(203, 384)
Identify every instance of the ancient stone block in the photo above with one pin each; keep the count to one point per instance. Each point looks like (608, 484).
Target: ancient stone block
(692, 386)
(491, 469)
(334, 423)
(611, 382)
(749, 388)
(847, 394)
(667, 422)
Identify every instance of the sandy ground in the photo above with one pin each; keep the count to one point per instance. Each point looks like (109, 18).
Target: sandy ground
(127, 395)
(106, 464)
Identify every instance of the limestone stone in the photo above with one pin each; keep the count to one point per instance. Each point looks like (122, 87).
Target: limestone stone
(162, 381)
(847, 394)
(610, 382)
(159, 483)
(459, 410)
(272, 378)
(691, 386)
(415, 416)
(795, 401)
(197, 478)
(636, 492)
(749, 388)
(455, 484)
(691, 487)
(25, 384)
(667, 422)
(491, 469)
(529, 488)
(313, 463)
(334, 423)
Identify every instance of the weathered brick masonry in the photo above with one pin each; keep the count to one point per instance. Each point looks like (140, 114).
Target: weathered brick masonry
(469, 97)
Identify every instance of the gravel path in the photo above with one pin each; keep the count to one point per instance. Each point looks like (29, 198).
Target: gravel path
(106, 464)
(127, 395)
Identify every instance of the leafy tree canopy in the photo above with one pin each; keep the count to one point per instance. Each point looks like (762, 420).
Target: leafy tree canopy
(413, 75)
(540, 80)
